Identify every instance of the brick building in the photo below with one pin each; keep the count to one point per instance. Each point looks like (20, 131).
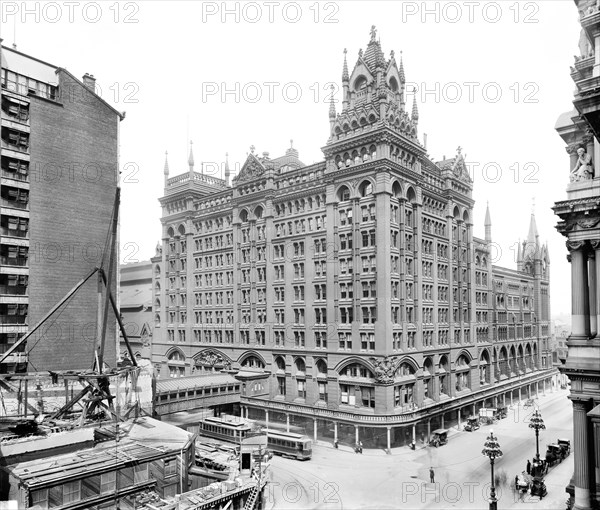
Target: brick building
(59, 179)
(351, 294)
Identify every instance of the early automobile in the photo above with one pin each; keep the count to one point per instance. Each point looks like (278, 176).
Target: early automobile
(502, 412)
(554, 454)
(565, 444)
(472, 424)
(439, 437)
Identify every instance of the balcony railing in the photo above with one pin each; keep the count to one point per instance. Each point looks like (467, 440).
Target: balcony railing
(5, 347)
(13, 290)
(13, 261)
(18, 176)
(5, 231)
(13, 319)
(17, 204)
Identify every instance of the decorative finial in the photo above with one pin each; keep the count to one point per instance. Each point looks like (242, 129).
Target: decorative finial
(373, 33)
(392, 54)
(291, 144)
(360, 53)
(459, 149)
(252, 149)
(532, 205)
(191, 158)
(415, 110)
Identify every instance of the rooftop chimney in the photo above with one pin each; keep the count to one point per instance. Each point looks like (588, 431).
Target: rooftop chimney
(89, 81)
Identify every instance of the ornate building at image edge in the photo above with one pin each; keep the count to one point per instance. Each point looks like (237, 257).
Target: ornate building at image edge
(353, 289)
(580, 223)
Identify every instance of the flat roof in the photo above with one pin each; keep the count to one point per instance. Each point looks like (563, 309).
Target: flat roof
(141, 439)
(194, 381)
(29, 66)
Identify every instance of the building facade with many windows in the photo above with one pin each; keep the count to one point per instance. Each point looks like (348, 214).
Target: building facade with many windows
(59, 175)
(353, 290)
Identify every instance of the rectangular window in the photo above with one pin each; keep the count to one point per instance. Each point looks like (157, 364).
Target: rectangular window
(71, 492)
(108, 482)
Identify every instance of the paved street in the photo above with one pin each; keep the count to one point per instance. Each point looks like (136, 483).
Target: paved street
(336, 479)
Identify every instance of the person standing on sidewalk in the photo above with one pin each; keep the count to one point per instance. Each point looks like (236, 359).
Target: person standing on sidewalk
(431, 475)
(528, 467)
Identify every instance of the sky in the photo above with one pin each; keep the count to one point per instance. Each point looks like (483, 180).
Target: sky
(490, 77)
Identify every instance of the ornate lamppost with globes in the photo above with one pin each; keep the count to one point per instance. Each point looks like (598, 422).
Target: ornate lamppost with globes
(491, 449)
(537, 423)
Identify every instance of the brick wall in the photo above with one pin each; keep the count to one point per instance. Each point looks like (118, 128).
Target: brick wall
(74, 173)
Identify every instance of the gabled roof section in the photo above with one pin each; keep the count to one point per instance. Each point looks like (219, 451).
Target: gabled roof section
(63, 70)
(252, 169)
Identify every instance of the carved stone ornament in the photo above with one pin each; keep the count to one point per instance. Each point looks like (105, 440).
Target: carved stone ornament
(211, 359)
(589, 223)
(251, 170)
(384, 369)
(575, 245)
(584, 169)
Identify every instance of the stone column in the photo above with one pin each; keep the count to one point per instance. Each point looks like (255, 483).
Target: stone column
(596, 247)
(459, 424)
(335, 434)
(389, 439)
(593, 292)
(315, 429)
(580, 449)
(266, 418)
(414, 433)
(519, 394)
(442, 421)
(356, 433)
(428, 430)
(287, 422)
(580, 307)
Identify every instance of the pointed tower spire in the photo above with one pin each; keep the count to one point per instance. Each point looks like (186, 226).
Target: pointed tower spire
(488, 224)
(519, 256)
(227, 171)
(401, 70)
(332, 112)
(191, 158)
(531, 245)
(166, 168)
(415, 109)
(345, 75)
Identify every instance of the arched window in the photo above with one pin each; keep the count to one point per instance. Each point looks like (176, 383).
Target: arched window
(243, 216)
(360, 83)
(258, 212)
(343, 194)
(321, 367)
(252, 362)
(300, 367)
(366, 188)
(356, 370)
(280, 362)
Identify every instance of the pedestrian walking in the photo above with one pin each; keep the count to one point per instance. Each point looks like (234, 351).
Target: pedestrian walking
(528, 467)
(431, 475)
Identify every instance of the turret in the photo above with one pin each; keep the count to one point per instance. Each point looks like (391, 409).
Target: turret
(402, 84)
(415, 111)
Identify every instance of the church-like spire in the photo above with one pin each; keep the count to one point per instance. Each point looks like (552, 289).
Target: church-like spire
(227, 171)
(166, 168)
(415, 109)
(345, 75)
(401, 70)
(488, 224)
(191, 158)
(531, 245)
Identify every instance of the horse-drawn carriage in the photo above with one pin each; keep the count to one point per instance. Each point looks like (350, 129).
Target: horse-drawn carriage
(557, 452)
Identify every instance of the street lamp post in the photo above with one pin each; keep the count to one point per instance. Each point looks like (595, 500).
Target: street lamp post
(537, 423)
(491, 449)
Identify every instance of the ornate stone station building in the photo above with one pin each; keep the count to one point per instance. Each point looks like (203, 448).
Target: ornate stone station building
(580, 224)
(351, 296)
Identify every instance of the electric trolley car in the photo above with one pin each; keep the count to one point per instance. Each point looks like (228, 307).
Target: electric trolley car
(289, 444)
(230, 430)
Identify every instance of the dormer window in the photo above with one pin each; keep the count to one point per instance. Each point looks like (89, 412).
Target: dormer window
(360, 83)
